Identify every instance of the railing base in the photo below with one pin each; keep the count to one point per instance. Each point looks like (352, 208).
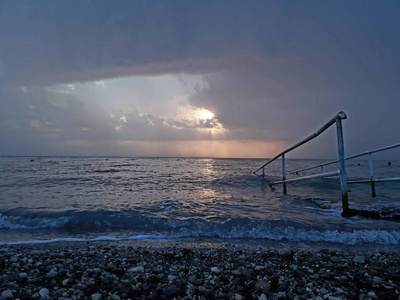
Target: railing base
(371, 214)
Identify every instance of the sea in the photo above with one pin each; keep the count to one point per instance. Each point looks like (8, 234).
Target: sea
(53, 199)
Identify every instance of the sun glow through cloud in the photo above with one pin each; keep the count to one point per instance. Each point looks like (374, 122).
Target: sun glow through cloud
(205, 114)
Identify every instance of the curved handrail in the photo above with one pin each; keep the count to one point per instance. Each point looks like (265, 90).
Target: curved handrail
(341, 115)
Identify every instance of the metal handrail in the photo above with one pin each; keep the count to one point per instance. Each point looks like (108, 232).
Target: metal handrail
(372, 179)
(347, 212)
(341, 115)
(347, 158)
(337, 119)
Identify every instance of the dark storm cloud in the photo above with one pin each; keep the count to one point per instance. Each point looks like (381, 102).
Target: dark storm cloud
(275, 69)
(47, 42)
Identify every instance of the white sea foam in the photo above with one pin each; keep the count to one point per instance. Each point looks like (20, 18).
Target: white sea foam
(377, 237)
(6, 224)
(97, 239)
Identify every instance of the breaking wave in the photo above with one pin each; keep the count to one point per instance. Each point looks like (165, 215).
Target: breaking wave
(136, 226)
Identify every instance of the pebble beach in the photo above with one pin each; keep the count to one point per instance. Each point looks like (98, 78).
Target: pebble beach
(140, 270)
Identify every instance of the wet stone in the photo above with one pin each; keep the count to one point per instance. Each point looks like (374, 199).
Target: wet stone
(60, 292)
(247, 273)
(262, 297)
(171, 291)
(7, 294)
(51, 274)
(44, 292)
(323, 291)
(377, 279)
(96, 296)
(359, 259)
(79, 286)
(285, 252)
(281, 295)
(262, 286)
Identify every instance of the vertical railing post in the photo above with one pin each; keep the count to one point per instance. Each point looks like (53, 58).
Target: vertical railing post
(371, 171)
(342, 164)
(284, 174)
(321, 168)
(263, 172)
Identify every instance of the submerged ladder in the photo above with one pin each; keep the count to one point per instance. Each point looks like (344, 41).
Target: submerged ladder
(346, 211)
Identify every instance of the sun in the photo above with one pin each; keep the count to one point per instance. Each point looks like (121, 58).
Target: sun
(204, 114)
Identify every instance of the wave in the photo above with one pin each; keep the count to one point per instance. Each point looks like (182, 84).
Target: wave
(133, 225)
(97, 239)
(108, 171)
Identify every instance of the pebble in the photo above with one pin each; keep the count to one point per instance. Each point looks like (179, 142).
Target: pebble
(51, 274)
(236, 272)
(196, 273)
(44, 292)
(281, 295)
(171, 277)
(7, 294)
(60, 292)
(285, 252)
(14, 259)
(139, 269)
(171, 291)
(377, 279)
(202, 289)
(79, 286)
(262, 286)
(110, 266)
(359, 259)
(96, 296)
(371, 294)
(262, 297)
(323, 291)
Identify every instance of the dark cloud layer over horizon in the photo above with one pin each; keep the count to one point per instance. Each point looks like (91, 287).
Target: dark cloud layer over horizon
(272, 71)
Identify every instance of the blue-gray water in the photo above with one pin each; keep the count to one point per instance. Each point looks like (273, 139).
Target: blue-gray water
(66, 198)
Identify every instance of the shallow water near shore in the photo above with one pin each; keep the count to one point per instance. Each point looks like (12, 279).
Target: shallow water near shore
(46, 199)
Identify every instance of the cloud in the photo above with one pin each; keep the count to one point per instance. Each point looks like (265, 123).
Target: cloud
(272, 71)
(47, 42)
(57, 42)
(43, 120)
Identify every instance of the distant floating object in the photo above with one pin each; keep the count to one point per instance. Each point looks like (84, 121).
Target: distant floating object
(32, 160)
(389, 163)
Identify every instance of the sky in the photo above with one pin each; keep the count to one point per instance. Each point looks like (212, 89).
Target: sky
(197, 78)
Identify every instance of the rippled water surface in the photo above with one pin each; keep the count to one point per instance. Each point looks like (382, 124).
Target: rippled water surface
(132, 198)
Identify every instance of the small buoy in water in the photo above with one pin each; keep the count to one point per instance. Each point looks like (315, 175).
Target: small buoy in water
(358, 164)
(389, 163)
(32, 160)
